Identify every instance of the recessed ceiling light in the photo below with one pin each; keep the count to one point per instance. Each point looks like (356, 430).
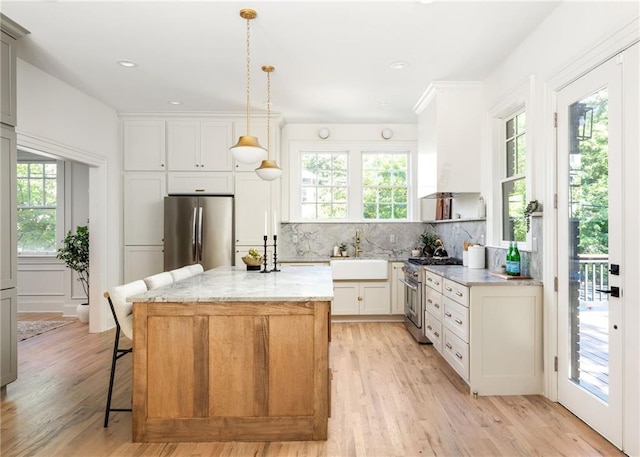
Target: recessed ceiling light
(399, 65)
(383, 103)
(175, 102)
(127, 63)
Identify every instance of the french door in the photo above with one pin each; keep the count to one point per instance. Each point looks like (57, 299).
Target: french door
(590, 249)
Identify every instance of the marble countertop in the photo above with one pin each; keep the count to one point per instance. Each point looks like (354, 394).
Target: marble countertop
(228, 284)
(477, 277)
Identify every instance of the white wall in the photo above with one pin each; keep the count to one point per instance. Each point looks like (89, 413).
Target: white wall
(575, 38)
(56, 118)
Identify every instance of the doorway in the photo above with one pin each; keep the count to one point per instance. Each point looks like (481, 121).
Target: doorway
(590, 249)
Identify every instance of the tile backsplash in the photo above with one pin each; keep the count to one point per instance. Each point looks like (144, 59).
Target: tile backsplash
(395, 240)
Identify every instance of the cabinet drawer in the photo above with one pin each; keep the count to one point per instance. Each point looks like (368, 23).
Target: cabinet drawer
(200, 182)
(456, 353)
(456, 292)
(456, 318)
(433, 301)
(433, 330)
(433, 281)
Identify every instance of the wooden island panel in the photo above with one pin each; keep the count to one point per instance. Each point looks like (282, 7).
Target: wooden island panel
(230, 371)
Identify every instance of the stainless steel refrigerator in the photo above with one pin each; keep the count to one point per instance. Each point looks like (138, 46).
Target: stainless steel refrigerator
(198, 229)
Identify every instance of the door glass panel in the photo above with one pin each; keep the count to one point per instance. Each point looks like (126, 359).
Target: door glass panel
(589, 244)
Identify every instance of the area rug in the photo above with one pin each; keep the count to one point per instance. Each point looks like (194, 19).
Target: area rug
(28, 329)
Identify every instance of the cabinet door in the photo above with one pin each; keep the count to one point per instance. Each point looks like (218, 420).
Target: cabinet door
(259, 130)
(142, 261)
(144, 208)
(375, 298)
(8, 336)
(8, 240)
(183, 145)
(397, 288)
(345, 298)
(8, 80)
(253, 200)
(185, 183)
(144, 145)
(215, 141)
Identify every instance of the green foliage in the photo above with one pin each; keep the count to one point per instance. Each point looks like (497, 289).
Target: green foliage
(428, 239)
(75, 254)
(590, 181)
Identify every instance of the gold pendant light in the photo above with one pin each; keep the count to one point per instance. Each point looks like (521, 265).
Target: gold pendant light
(247, 149)
(268, 169)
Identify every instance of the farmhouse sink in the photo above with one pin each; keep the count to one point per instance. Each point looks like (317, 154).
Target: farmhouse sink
(359, 269)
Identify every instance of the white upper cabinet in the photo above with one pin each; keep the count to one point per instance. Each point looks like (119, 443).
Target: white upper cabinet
(8, 80)
(199, 146)
(449, 138)
(144, 208)
(8, 239)
(144, 145)
(253, 199)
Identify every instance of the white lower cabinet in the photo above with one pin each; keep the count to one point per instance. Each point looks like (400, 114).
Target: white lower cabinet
(433, 330)
(8, 336)
(361, 298)
(456, 352)
(397, 288)
(491, 335)
(142, 261)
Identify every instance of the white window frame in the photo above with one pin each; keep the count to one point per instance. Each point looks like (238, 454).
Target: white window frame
(354, 150)
(24, 157)
(517, 101)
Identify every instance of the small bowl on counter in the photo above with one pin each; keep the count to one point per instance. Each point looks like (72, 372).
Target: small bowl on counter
(252, 263)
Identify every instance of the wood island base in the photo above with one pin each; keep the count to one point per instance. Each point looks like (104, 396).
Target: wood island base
(222, 371)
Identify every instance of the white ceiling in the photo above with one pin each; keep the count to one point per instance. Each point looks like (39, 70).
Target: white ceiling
(332, 57)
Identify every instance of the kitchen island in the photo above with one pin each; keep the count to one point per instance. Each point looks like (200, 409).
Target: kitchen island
(232, 354)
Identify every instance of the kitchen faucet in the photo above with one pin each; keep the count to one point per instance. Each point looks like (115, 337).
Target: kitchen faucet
(357, 250)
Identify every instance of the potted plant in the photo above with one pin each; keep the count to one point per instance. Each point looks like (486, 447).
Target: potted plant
(343, 249)
(428, 240)
(75, 255)
(531, 208)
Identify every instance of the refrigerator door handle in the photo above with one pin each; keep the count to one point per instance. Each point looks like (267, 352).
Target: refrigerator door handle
(199, 234)
(194, 235)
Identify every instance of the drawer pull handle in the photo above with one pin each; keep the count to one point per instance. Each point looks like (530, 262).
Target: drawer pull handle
(458, 355)
(429, 279)
(458, 293)
(447, 313)
(436, 334)
(429, 300)
(448, 288)
(448, 345)
(437, 283)
(436, 305)
(458, 321)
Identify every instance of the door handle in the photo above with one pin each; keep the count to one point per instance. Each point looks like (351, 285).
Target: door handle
(614, 291)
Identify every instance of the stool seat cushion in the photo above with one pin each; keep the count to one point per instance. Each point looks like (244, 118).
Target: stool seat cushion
(158, 280)
(124, 309)
(195, 269)
(181, 273)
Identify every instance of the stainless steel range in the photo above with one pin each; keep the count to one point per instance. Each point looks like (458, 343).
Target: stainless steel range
(413, 281)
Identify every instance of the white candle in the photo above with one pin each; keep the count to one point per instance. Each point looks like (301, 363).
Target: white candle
(275, 224)
(265, 223)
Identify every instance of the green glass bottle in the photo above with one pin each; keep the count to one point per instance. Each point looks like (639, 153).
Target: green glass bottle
(508, 263)
(515, 259)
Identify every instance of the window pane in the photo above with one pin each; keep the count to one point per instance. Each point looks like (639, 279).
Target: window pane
(513, 205)
(323, 184)
(521, 155)
(511, 158)
(36, 201)
(384, 185)
(510, 129)
(520, 123)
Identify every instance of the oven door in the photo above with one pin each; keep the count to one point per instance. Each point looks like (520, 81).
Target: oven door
(413, 301)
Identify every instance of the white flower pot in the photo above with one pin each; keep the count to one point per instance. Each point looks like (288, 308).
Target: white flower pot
(83, 312)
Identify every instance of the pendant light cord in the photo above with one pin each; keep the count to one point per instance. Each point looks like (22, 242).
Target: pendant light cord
(268, 115)
(248, 74)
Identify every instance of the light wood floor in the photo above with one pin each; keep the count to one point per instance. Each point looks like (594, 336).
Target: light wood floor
(391, 397)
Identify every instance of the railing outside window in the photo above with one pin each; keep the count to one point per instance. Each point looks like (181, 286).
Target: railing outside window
(594, 274)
